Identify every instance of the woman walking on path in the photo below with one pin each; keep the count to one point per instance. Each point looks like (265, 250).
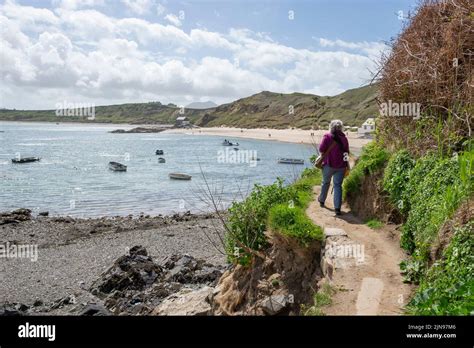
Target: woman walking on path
(335, 162)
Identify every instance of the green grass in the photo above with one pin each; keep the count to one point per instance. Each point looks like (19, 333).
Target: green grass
(292, 221)
(249, 219)
(322, 298)
(372, 158)
(374, 224)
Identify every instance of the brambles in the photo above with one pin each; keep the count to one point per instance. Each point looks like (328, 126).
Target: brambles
(430, 63)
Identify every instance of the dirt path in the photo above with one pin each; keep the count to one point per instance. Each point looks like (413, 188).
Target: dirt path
(366, 270)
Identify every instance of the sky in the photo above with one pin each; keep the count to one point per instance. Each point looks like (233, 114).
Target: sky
(119, 51)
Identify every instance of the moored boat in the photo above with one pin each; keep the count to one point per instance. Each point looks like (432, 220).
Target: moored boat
(229, 143)
(25, 159)
(180, 176)
(290, 161)
(117, 167)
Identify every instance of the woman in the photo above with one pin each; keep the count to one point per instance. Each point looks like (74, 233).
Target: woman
(334, 163)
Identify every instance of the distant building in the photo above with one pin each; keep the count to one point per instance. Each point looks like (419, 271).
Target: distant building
(182, 121)
(367, 127)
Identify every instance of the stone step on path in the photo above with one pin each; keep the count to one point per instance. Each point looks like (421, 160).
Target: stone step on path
(360, 263)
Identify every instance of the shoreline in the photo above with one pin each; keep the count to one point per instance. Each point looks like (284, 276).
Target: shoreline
(296, 136)
(71, 254)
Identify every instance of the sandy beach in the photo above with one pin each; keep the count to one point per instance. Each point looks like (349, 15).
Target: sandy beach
(287, 135)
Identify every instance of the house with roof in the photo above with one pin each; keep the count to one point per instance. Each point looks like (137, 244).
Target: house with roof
(367, 127)
(182, 121)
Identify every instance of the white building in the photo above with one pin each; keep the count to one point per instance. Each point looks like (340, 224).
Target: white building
(182, 121)
(367, 127)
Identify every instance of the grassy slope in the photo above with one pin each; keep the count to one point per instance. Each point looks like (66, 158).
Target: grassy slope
(265, 109)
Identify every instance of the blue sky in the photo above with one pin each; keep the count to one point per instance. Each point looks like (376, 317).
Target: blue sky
(117, 51)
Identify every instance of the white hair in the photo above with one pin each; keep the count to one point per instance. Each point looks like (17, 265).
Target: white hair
(336, 125)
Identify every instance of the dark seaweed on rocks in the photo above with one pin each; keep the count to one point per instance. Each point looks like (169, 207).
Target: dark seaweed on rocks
(135, 284)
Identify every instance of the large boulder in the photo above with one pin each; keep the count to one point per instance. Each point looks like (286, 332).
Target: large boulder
(186, 302)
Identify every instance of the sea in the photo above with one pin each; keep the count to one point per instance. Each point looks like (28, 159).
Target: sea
(73, 177)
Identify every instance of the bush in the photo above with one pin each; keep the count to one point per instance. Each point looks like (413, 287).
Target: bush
(448, 287)
(396, 178)
(372, 158)
(248, 219)
(435, 198)
(292, 221)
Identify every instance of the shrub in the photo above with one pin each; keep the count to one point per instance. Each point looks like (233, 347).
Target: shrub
(435, 198)
(248, 219)
(396, 178)
(448, 287)
(372, 158)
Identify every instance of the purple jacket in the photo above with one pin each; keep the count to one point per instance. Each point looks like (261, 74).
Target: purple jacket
(335, 158)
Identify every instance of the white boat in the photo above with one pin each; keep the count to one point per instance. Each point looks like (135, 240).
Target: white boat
(117, 167)
(180, 176)
(290, 161)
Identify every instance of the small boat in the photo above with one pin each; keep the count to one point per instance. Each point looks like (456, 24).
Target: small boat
(236, 149)
(159, 152)
(255, 159)
(179, 176)
(25, 159)
(161, 160)
(229, 143)
(290, 161)
(117, 167)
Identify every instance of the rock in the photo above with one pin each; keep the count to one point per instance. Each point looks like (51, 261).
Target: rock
(186, 302)
(43, 213)
(13, 309)
(134, 271)
(136, 285)
(15, 216)
(273, 305)
(93, 309)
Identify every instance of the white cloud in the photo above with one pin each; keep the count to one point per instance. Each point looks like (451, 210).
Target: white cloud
(373, 49)
(85, 55)
(173, 19)
(76, 4)
(139, 7)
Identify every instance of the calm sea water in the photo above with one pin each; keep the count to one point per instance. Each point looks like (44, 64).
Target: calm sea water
(73, 178)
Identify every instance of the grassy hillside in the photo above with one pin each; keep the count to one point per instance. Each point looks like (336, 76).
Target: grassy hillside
(265, 109)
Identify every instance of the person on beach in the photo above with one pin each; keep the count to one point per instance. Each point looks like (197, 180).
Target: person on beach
(335, 162)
